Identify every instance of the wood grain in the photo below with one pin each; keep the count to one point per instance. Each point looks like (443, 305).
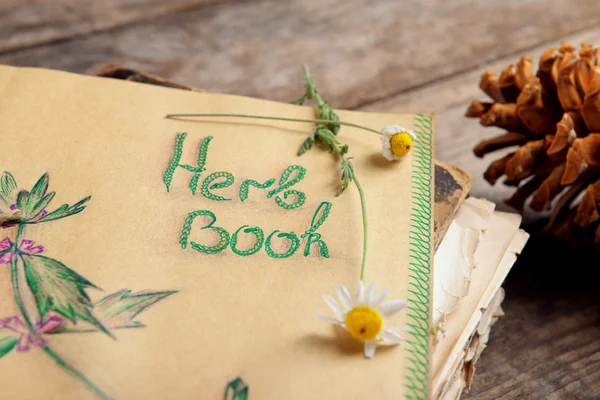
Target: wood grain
(28, 23)
(360, 51)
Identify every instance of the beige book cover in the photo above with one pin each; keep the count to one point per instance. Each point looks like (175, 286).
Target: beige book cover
(152, 258)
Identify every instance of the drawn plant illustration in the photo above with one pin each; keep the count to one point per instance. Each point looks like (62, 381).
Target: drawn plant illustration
(51, 297)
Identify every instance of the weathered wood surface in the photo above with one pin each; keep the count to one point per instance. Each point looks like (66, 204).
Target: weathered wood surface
(29, 23)
(371, 55)
(360, 51)
(548, 344)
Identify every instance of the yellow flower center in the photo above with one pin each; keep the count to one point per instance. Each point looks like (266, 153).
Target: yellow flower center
(364, 323)
(401, 143)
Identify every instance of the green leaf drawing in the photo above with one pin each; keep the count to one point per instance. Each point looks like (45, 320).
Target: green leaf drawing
(22, 198)
(37, 192)
(236, 390)
(65, 211)
(59, 288)
(7, 344)
(40, 206)
(34, 202)
(118, 310)
(8, 184)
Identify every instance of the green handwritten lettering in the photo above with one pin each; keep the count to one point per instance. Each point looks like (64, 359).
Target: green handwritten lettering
(245, 187)
(294, 244)
(311, 235)
(207, 187)
(187, 228)
(176, 159)
(285, 183)
(260, 238)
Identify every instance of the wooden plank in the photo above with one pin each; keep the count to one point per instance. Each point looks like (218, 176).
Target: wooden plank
(360, 51)
(28, 23)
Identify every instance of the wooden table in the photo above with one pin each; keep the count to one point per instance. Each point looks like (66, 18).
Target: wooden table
(388, 56)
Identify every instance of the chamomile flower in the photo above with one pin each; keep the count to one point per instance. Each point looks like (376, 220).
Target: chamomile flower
(363, 316)
(396, 142)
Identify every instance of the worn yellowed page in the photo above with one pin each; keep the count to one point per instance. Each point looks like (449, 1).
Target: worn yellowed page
(457, 320)
(199, 314)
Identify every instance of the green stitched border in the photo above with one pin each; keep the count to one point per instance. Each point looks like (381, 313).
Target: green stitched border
(417, 345)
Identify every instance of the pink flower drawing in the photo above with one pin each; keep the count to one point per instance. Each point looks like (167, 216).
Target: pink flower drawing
(26, 246)
(26, 339)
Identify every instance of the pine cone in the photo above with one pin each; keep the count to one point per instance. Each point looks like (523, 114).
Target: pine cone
(552, 118)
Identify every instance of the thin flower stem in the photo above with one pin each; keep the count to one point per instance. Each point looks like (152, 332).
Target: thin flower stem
(33, 330)
(315, 121)
(76, 374)
(16, 285)
(363, 205)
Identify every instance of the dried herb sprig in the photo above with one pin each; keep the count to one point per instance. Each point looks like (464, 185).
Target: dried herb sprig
(328, 125)
(326, 132)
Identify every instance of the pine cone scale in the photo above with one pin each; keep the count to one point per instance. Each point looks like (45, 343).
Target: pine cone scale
(552, 118)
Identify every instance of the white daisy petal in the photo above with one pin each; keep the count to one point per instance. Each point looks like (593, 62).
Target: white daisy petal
(378, 298)
(385, 142)
(387, 153)
(390, 129)
(345, 298)
(390, 337)
(370, 347)
(392, 307)
(327, 318)
(369, 293)
(360, 292)
(412, 135)
(333, 305)
(398, 329)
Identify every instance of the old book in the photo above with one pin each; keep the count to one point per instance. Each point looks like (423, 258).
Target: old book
(469, 268)
(214, 244)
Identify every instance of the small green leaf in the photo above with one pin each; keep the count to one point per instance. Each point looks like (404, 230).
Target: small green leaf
(37, 193)
(65, 211)
(326, 112)
(347, 169)
(22, 198)
(236, 390)
(307, 145)
(327, 138)
(40, 206)
(8, 184)
(7, 344)
(59, 288)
